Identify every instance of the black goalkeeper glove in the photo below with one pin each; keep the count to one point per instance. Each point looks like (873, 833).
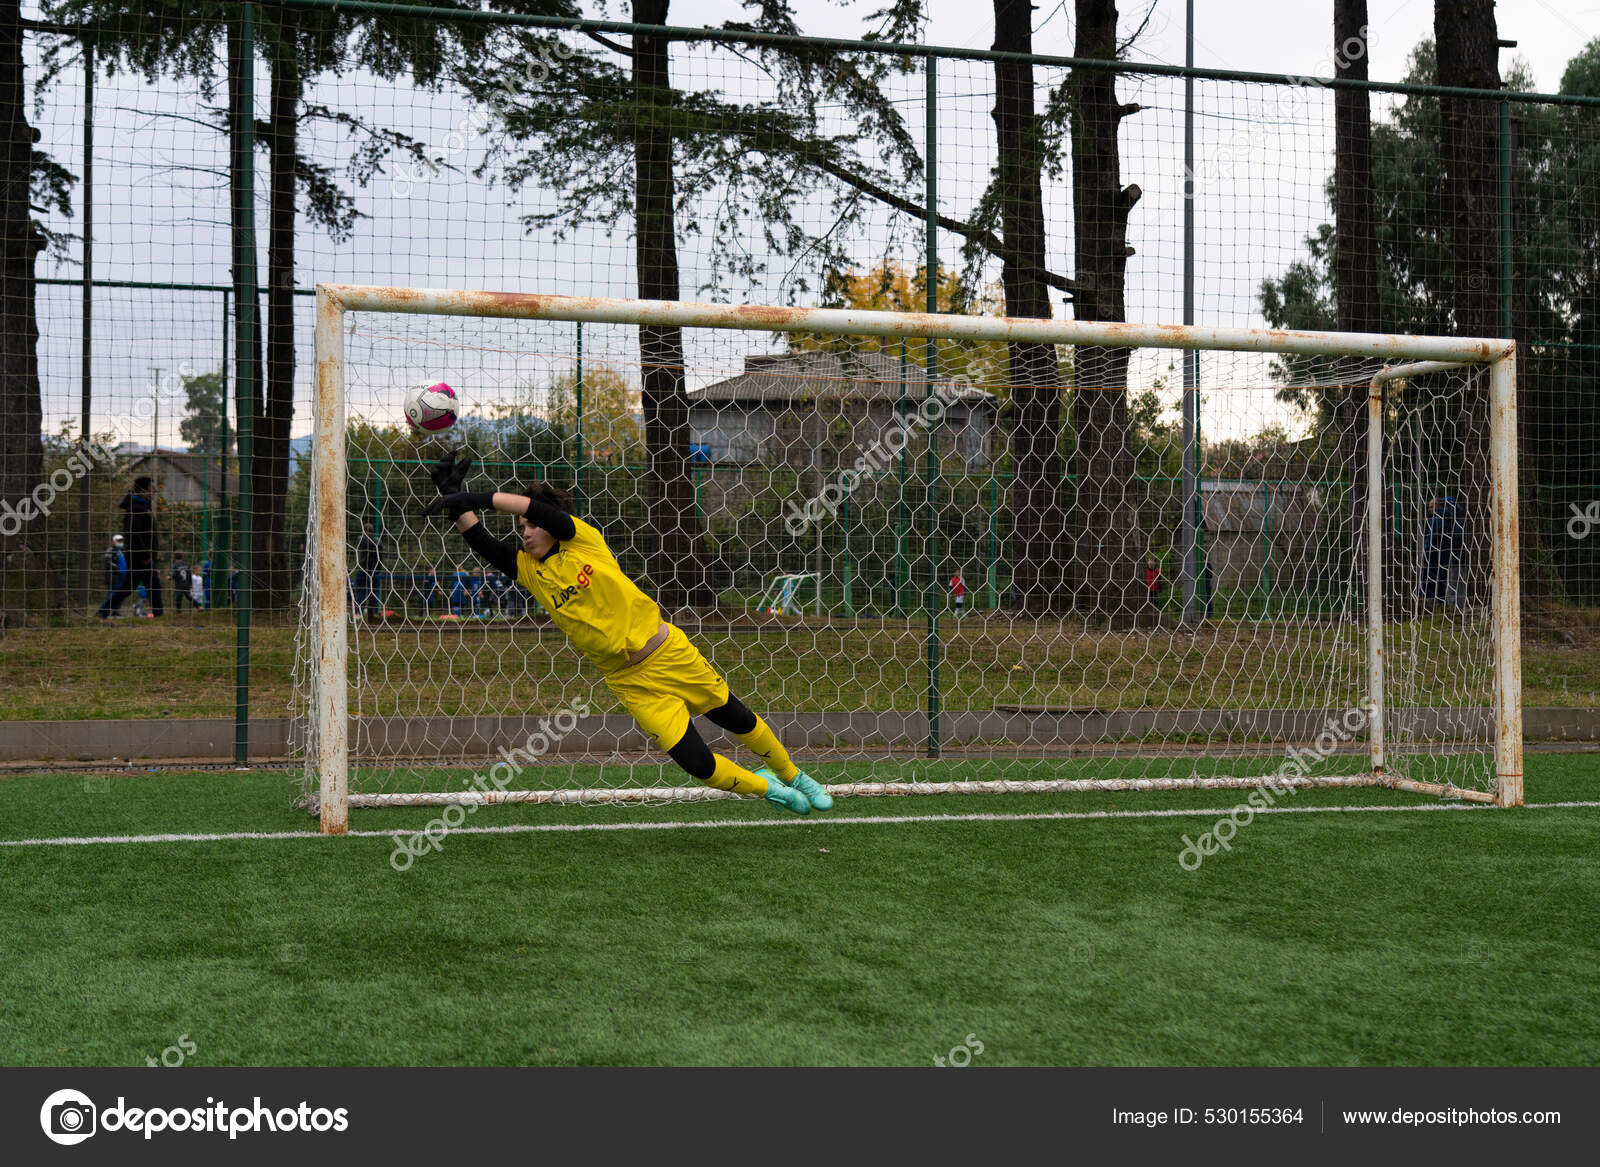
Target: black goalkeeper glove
(450, 475)
(457, 504)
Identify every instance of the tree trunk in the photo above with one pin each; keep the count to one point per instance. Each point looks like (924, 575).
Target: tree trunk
(1038, 520)
(1355, 263)
(270, 476)
(1355, 255)
(1107, 560)
(675, 562)
(21, 410)
(1467, 45)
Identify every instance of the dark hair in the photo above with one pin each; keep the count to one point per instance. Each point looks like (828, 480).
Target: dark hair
(551, 495)
(141, 483)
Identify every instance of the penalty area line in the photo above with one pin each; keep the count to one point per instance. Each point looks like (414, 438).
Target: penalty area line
(788, 821)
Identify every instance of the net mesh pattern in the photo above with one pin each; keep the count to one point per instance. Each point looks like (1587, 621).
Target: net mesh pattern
(847, 527)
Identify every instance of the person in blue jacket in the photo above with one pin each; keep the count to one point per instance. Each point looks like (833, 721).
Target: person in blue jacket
(117, 589)
(1441, 552)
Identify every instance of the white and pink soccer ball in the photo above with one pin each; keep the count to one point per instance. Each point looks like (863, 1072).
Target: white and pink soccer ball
(431, 408)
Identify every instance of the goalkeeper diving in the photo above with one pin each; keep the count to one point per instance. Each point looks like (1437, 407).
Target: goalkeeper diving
(660, 678)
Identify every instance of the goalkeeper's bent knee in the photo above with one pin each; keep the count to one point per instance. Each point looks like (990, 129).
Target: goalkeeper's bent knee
(733, 716)
(692, 753)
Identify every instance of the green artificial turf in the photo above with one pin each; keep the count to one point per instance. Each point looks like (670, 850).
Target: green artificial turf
(1452, 937)
(183, 666)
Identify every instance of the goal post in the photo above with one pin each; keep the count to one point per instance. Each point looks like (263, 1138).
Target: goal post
(1505, 570)
(782, 595)
(381, 711)
(327, 653)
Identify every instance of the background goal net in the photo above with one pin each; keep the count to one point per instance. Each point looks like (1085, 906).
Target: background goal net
(1031, 561)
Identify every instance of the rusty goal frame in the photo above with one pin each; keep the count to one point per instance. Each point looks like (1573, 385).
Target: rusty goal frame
(328, 755)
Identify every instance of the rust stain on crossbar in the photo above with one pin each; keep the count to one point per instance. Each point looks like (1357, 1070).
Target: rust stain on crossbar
(691, 314)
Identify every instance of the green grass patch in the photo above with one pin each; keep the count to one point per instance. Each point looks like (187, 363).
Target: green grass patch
(1454, 937)
(182, 666)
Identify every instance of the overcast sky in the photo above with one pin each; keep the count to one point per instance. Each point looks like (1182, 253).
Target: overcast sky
(160, 214)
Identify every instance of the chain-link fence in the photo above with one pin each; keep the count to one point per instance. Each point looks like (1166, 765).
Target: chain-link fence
(447, 145)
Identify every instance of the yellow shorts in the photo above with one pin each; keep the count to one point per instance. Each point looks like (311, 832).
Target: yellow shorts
(671, 685)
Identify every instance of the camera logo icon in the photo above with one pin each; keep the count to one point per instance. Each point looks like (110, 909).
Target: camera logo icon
(68, 1117)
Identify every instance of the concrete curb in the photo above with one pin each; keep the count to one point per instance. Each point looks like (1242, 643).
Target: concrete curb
(211, 739)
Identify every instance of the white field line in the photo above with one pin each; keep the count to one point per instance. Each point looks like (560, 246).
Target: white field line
(787, 821)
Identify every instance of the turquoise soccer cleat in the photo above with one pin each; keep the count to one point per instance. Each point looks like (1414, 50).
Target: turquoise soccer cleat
(816, 794)
(784, 797)
(817, 798)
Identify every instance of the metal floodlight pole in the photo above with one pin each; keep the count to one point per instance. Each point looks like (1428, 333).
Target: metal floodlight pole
(1188, 542)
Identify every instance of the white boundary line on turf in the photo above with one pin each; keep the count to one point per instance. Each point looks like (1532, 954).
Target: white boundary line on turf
(791, 821)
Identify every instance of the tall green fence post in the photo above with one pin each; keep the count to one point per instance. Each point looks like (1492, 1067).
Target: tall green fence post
(902, 577)
(376, 582)
(1266, 549)
(577, 473)
(931, 355)
(994, 565)
(1505, 219)
(205, 519)
(849, 602)
(224, 532)
(247, 304)
(86, 384)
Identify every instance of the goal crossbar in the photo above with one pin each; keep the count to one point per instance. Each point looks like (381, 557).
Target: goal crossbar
(1404, 356)
(923, 325)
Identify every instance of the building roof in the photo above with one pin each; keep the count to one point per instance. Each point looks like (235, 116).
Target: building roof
(804, 377)
(1242, 507)
(182, 462)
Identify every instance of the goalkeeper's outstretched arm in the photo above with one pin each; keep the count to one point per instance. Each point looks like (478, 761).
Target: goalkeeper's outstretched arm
(538, 514)
(502, 554)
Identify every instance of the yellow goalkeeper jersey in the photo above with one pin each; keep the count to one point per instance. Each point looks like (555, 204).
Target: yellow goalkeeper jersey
(581, 585)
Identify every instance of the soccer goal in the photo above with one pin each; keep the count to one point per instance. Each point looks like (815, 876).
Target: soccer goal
(1302, 574)
(786, 594)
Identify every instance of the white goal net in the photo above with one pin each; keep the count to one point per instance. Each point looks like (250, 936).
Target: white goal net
(1016, 557)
